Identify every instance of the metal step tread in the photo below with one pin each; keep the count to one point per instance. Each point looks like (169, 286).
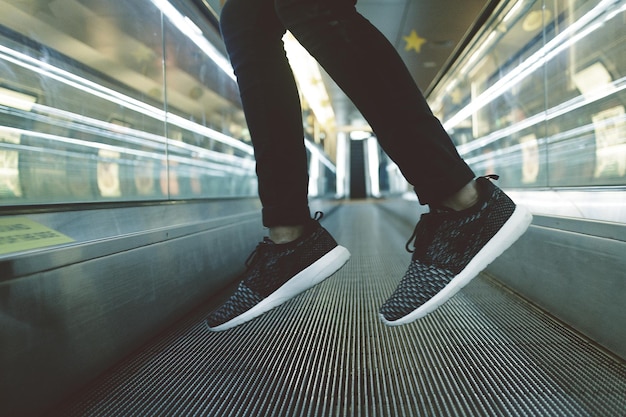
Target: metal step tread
(325, 353)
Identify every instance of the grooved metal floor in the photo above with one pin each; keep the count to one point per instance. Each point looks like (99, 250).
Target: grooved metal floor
(325, 353)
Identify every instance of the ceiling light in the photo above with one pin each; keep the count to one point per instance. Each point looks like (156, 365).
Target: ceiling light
(309, 77)
(186, 26)
(360, 135)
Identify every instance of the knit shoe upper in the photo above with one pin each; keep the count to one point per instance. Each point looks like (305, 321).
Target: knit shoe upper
(277, 272)
(452, 247)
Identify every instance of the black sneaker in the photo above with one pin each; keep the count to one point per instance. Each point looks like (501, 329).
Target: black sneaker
(278, 272)
(451, 248)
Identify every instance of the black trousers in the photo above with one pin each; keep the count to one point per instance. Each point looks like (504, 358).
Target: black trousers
(367, 68)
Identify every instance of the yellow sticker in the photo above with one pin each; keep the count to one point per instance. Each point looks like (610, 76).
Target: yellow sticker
(19, 234)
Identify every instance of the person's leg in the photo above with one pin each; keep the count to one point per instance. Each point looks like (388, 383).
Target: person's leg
(471, 222)
(367, 67)
(300, 253)
(253, 34)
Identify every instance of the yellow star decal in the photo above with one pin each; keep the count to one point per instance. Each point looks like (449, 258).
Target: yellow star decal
(414, 41)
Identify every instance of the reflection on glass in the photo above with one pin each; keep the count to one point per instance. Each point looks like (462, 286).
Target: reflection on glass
(539, 97)
(9, 169)
(610, 128)
(85, 113)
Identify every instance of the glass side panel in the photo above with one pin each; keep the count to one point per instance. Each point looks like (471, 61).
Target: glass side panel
(89, 110)
(539, 97)
(209, 150)
(102, 100)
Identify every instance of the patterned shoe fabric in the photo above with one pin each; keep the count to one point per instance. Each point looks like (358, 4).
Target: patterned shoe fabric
(451, 248)
(276, 273)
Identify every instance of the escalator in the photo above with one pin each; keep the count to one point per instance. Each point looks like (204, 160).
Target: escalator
(325, 353)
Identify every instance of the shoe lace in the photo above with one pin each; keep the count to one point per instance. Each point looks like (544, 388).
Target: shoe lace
(258, 252)
(264, 246)
(425, 225)
(420, 229)
(318, 216)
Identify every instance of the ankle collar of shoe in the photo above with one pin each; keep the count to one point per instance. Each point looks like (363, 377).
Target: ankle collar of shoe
(485, 190)
(309, 228)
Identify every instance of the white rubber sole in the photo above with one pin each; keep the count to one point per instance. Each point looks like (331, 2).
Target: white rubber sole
(514, 227)
(315, 273)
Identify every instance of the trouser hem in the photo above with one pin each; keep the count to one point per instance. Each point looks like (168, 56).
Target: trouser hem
(285, 216)
(434, 190)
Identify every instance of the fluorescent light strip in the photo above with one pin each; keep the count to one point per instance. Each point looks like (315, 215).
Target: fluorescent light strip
(314, 175)
(321, 155)
(373, 163)
(556, 111)
(307, 72)
(113, 96)
(16, 99)
(78, 142)
(513, 11)
(108, 130)
(206, 131)
(479, 51)
(604, 204)
(573, 133)
(213, 155)
(186, 26)
(342, 159)
(569, 36)
(238, 168)
(77, 82)
(103, 129)
(580, 101)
